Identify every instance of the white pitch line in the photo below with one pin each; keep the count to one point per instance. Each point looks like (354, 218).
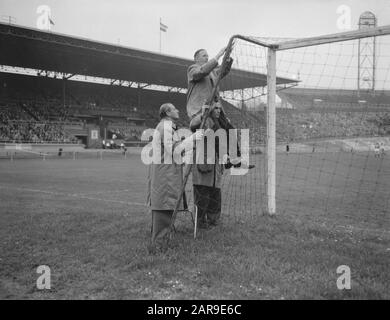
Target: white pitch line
(100, 192)
(75, 195)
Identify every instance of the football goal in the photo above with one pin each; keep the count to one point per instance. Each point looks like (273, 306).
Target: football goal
(318, 114)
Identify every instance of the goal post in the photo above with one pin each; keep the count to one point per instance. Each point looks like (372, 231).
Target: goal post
(271, 132)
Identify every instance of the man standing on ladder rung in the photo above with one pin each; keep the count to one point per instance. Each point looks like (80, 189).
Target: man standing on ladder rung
(202, 77)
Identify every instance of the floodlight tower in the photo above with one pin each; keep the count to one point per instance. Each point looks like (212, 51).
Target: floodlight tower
(366, 56)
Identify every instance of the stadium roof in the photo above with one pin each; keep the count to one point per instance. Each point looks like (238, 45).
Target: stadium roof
(36, 49)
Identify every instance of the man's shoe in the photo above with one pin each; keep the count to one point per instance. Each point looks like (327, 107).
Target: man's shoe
(226, 161)
(249, 166)
(244, 165)
(228, 165)
(240, 164)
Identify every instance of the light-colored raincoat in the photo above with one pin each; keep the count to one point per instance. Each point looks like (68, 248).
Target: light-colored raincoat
(164, 180)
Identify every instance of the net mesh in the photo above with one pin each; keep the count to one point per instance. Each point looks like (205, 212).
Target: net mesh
(332, 132)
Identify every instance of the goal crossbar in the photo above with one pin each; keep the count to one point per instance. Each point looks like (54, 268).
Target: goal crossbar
(324, 39)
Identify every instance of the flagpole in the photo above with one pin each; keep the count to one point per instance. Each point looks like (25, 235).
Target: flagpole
(160, 34)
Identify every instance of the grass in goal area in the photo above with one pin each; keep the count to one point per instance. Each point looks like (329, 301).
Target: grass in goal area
(85, 219)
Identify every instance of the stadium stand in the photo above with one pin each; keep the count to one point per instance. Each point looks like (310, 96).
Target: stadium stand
(35, 132)
(36, 103)
(29, 105)
(127, 111)
(299, 126)
(335, 99)
(242, 119)
(327, 113)
(64, 107)
(46, 98)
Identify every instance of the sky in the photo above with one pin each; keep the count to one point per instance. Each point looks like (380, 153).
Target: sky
(191, 24)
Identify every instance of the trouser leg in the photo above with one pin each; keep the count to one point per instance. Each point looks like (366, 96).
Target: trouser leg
(161, 222)
(201, 199)
(214, 208)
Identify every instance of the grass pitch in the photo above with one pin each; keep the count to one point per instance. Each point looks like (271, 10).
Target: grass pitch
(86, 220)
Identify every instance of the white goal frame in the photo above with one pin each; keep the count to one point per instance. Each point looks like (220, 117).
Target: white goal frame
(272, 48)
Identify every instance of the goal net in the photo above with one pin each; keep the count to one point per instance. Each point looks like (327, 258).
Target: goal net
(318, 114)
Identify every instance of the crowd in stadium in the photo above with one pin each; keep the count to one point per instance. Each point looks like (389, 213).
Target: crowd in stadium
(303, 126)
(29, 115)
(300, 126)
(7, 113)
(35, 132)
(16, 126)
(48, 110)
(31, 122)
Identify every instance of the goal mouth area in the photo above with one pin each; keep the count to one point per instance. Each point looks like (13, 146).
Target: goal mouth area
(312, 138)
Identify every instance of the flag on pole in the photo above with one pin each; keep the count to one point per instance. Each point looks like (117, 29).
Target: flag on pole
(163, 27)
(51, 21)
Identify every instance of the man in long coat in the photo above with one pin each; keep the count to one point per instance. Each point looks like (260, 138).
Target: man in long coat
(206, 180)
(165, 177)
